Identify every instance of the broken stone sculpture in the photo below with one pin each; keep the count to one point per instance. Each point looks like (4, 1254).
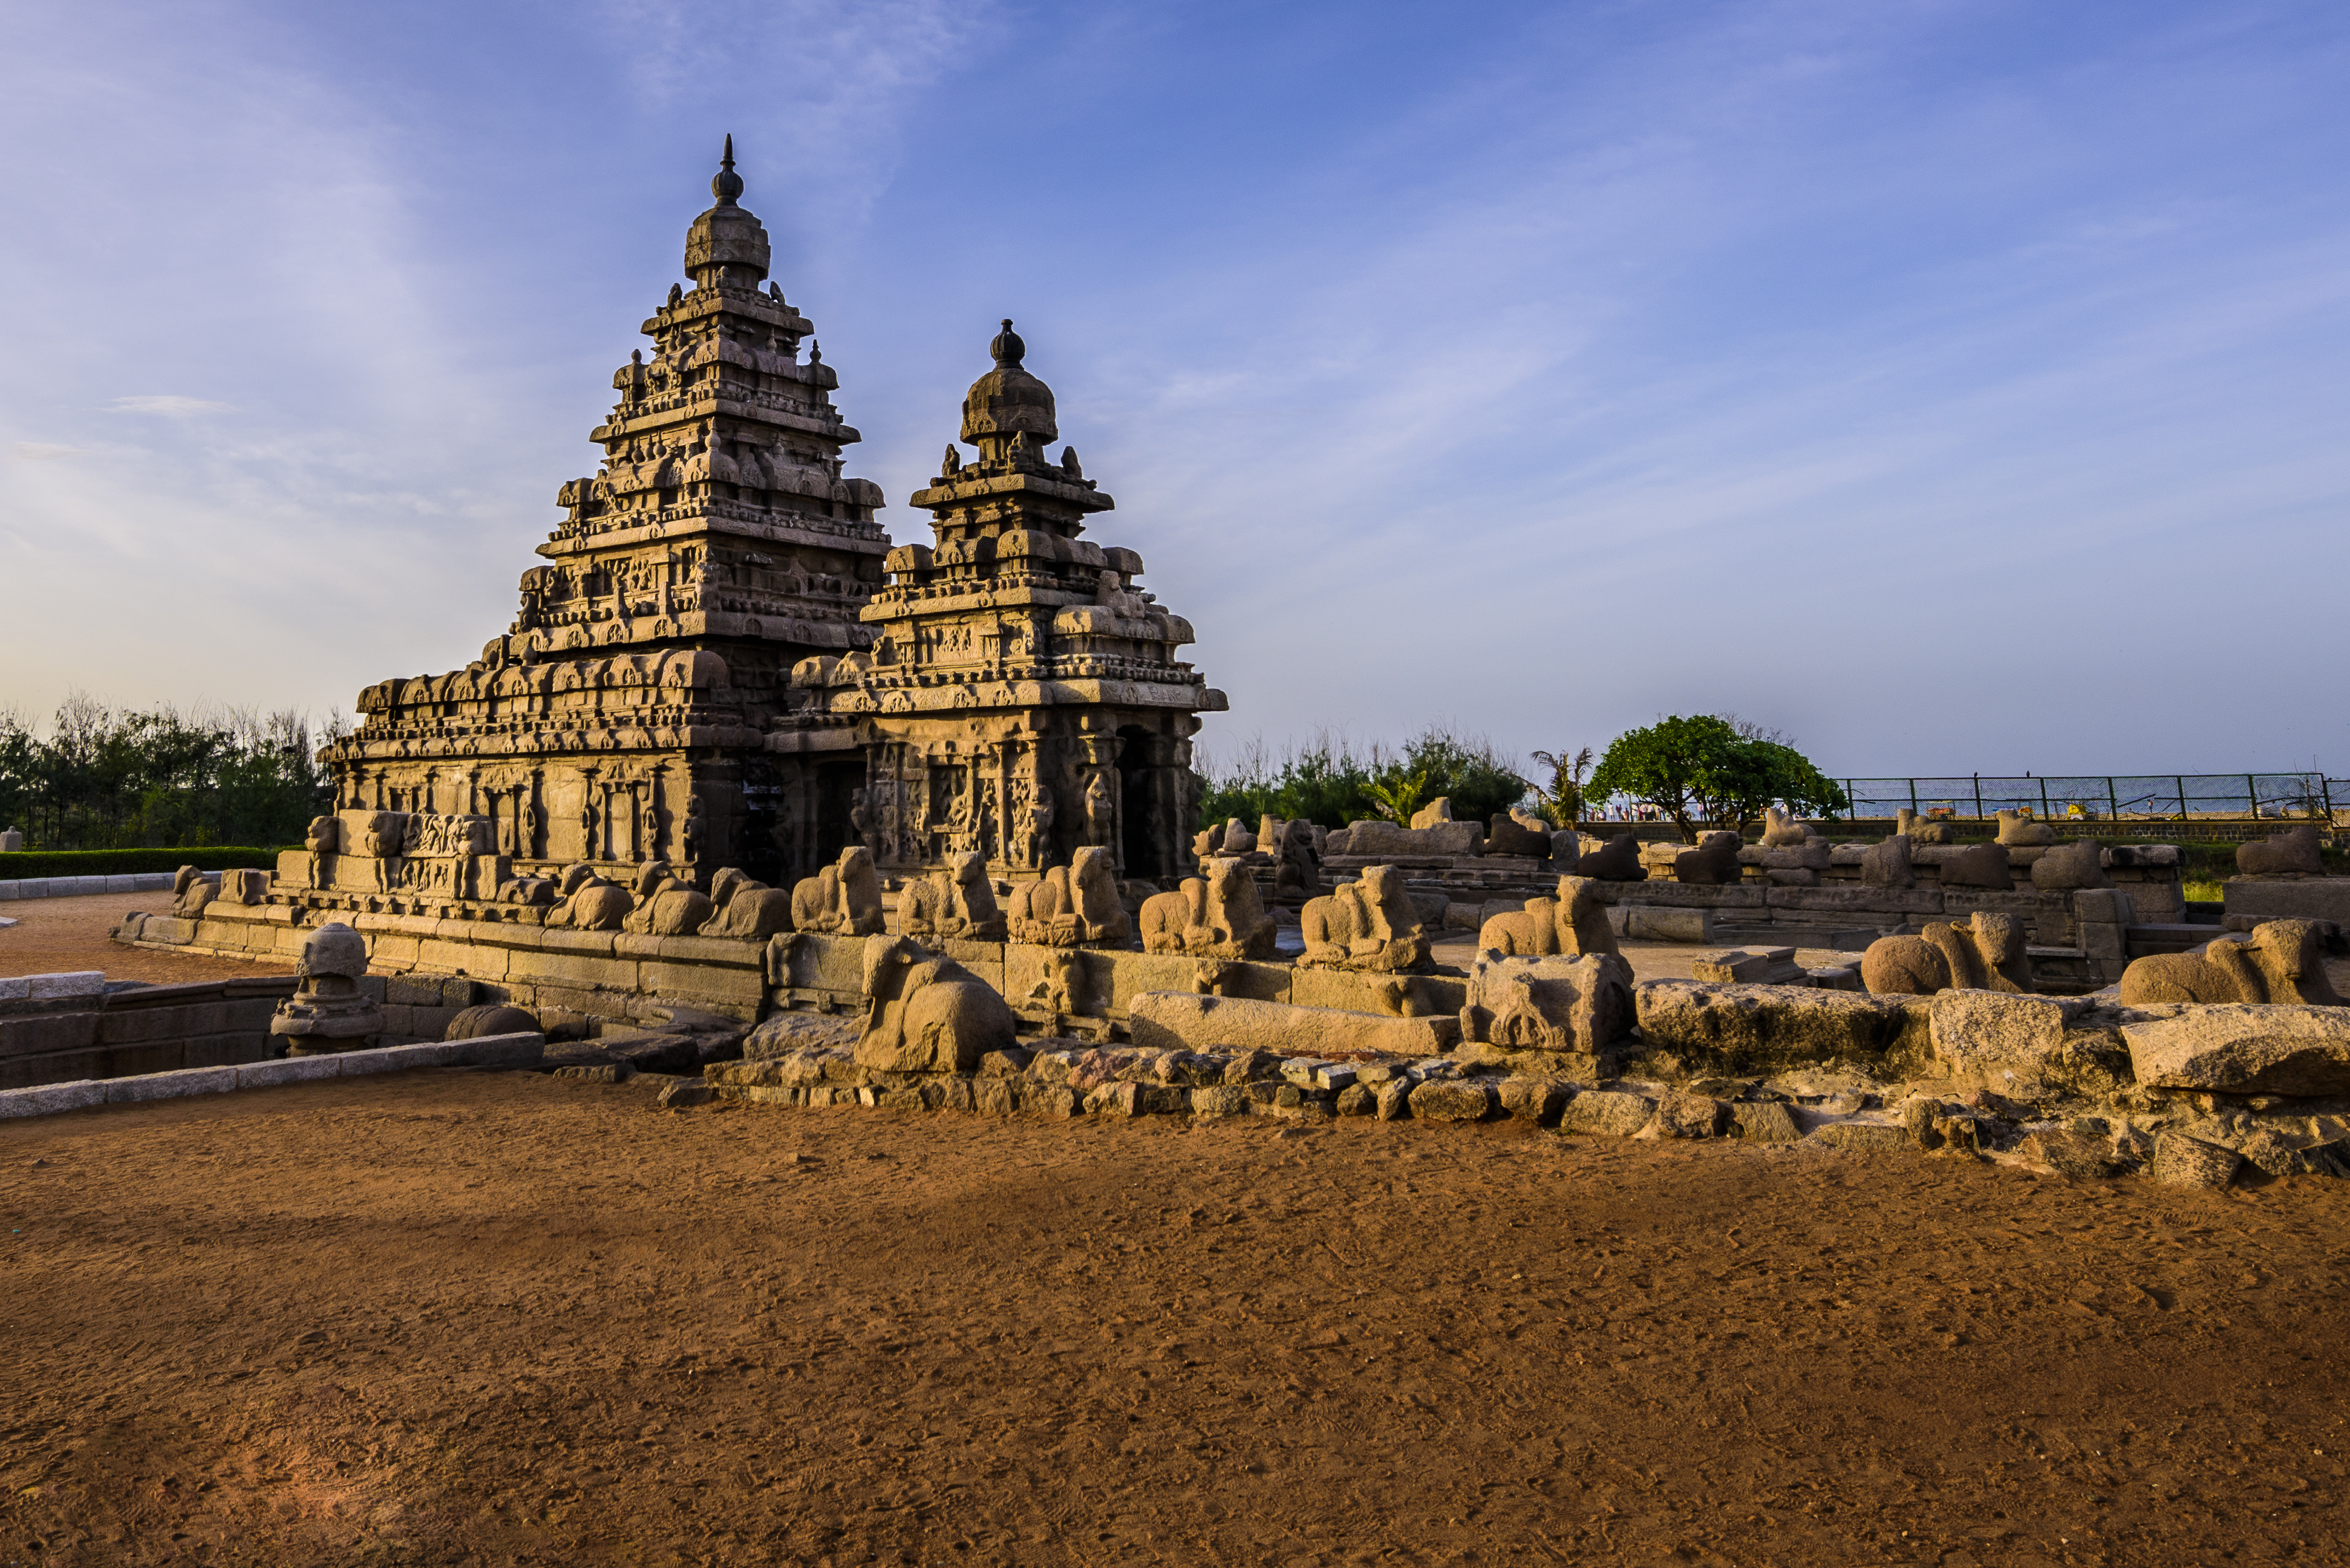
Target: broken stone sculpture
(1713, 863)
(1238, 839)
(2070, 866)
(1371, 924)
(1435, 811)
(1506, 835)
(1919, 829)
(1573, 923)
(191, 893)
(2294, 852)
(328, 1010)
(1075, 905)
(1297, 864)
(1062, 989)
(842, 900)
(1979, 865)
(2279, 962)
(1214, 915)
(2017, 830)
(1206, 841)
(1887, 865)
(746, 908)
(1781, 831)
(958, 902)
(925, 1014)
(1557, 1003)
(1617, 860)
(1986, 953)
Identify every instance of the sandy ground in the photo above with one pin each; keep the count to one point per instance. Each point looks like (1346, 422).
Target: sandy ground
(53, 936)
(490, 1318)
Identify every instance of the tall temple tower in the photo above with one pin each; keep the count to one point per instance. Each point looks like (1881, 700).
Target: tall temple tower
(620, 718)
(1022, 697)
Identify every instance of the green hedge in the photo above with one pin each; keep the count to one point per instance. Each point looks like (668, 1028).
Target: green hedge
(125, 862)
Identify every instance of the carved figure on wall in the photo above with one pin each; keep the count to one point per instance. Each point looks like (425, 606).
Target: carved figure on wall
(590, 849)
(926, 1013)
(1075, 904)
(1369, 924)
(860, 815)
(325, 841)
(1101, 809)
(1573, 923)
(2281, 961)
(690, 832)
(958, 902)
(1555, 1003)
(842, 900)
(1216, 915)
(528, 847)
(1986, 953)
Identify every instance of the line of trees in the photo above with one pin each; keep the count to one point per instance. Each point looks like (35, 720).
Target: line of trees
(1705, 771)
(105, 778)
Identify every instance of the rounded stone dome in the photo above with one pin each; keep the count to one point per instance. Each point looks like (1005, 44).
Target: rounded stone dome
(1008, 400)
(727, 242)
(333, 949)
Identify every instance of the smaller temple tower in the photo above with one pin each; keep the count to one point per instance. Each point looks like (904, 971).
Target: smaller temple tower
(1022, 697)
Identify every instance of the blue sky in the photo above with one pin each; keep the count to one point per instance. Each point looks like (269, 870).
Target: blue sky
(1955, 386)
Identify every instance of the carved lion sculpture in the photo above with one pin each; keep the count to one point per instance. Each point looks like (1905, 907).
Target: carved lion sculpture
(1714, 861)
(2295, 851)
(1075, 905)
(1617, 860)
(1216, 915)
(844, 899)
(2281, 961)
(1984, 954)
(924, 1013)
(1367, 925)
(958, 902)
(1575, 922)
(2017, 830)
(746, 908)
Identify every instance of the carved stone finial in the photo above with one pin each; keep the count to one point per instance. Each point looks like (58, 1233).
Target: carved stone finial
(676, 292)
(726, 185)
(953, 462)
(1069, 463)
(816, 353)
(1007, 348)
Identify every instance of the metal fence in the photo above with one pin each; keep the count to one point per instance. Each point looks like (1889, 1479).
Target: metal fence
(2104, 797)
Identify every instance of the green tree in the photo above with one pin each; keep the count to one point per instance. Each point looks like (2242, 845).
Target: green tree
(1702, 771)
(1562, 803)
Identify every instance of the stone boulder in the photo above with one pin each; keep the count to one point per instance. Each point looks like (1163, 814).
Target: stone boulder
(2294, 852)
(1607, 1113)
(1978, 1031)
(1760, 1028)
(1979, 866)
(1376, 840)
(1451, 1100)
(2244, 1049)
(2071, 867)
(1887, 865)
(2183, 1161)
(492, 1018)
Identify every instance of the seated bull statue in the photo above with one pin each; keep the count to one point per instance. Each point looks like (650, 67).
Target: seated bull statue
(1984, 954)
(1617, 860)
(1713, 862)
(590, 903)
(1215, 915)
(667, 905)
(1781, 831)
(958, 902)
(2017, 830)
(191, 893)
(1573, 923)
(2279, 962)
(746, 908)
(2297, 851)
(925, 1014)
(1072, 905)
(843, 900)
(1367, 925)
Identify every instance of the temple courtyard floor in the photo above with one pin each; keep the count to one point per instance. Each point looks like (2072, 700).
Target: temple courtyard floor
(473, 1317)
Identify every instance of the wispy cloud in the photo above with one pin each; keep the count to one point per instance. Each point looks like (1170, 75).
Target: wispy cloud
(45, 452)
(168, 405)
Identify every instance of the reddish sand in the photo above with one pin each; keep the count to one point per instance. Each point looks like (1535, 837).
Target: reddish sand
(490, 1318)
(57, 935)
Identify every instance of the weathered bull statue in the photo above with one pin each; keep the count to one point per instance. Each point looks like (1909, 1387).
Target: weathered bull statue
(1075, 905)
(1216, 914)
(1367, 925)
(958, 902)
(925, 1014)
(2279, 962)
(744, 908)
(1984, 954)
(1573, 923)
(844, 900)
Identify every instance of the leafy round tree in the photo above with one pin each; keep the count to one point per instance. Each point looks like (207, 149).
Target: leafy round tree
(1703, 772)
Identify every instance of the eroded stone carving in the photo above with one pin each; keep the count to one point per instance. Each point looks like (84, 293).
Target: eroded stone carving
(1979, 865)
(1076, 905)
(926, 1013)
(1617, 860)
(746, 908)
(1714, 861)
(1986, 953)
(191, 893)
(842, 900)
(1556, 1004)
(958, 902)
(1216, 914)
(1886, 864)
(2297, 851)
(2069, 866)
(1573, 923)
(328, 1010)
(1371, 924)
(2018, 830)
(2279, 962)
(1435, 811)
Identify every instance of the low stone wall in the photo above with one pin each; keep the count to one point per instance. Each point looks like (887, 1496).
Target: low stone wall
(54, 1028)
(81, 886)
(51, 1099)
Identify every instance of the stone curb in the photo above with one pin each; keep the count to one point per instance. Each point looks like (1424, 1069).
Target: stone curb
(79, 886)
(491, 1051)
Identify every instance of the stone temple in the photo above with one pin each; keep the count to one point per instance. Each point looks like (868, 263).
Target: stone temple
(708, 670)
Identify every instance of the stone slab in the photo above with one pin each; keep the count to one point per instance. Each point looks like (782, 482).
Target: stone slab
(1183, 1021)
(72, 986)
(288, 1070)
(2281, 897)
(169, 1085)
(1983, 1031)
(2244, 1048)
(49, 1100)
